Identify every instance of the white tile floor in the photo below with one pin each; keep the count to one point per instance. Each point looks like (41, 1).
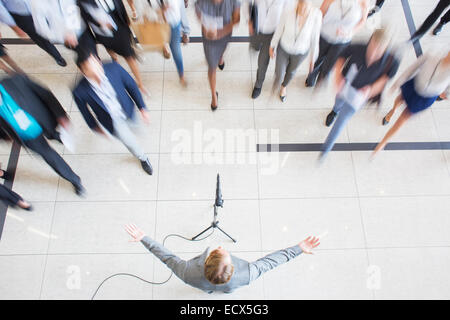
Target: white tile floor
(384, 224)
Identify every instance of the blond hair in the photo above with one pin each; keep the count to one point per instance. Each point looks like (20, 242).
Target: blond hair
(215, 271)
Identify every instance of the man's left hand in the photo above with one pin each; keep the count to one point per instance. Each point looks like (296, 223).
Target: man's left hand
(145, 116)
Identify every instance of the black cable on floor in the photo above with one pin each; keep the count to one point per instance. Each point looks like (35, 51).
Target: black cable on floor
(146, 281)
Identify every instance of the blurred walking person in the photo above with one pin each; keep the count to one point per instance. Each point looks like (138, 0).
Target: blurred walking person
(268, 18)
(295, 37)
(112, 95)
(110, 23)
(421, 85)
(29, 113)
(217, 17)
(362, 71)
(60, 22)
(341, 20)
(17, 13)
(174, 13)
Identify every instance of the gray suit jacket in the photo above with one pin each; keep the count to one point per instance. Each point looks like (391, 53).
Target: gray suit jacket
(192, 271)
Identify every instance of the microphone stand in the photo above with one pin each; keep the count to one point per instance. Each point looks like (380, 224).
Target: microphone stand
(217, 203)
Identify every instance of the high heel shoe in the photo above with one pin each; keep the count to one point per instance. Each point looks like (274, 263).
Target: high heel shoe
(222, 66)
(385, 121)
(282, 98)
(5, 175)
(214, 108)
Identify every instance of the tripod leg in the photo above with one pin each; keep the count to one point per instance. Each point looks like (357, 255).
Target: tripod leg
(202, 232)
(226, 234)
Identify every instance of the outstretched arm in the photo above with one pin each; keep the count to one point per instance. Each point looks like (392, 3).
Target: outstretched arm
(273, 260)
(175, 263)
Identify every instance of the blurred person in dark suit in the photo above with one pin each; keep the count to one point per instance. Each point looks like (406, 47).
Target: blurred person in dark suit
(112, 95)
(30, 113)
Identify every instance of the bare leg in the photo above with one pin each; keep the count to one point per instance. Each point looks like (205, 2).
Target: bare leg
(112, 54)
(406, 114)
(132, 62)
(212, 85)
(12, 64)
(133, 9)
(5, 68)
(282, 91)
(398, 102)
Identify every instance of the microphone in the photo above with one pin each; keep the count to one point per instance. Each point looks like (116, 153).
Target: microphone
(219, 200)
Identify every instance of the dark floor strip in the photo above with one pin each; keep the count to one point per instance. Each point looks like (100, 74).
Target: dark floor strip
(191, 39)
(315, 147)
(11, 168)
(411, 25)
(306, 147)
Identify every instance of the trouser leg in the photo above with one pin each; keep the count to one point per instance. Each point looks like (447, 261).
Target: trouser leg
(53, 159)
(123, 132)
(27, 25)
(9, 197)
(431, 19)
(175, 47)
(280, 67)
(292, 67)
(263, 59)
(379, 3)
(346, 111)
(445, 18)
(323, 49)
(334, 50)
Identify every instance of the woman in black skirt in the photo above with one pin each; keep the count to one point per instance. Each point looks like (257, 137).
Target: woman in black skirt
(110, 23)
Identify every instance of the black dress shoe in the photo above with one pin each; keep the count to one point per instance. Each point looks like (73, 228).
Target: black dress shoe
(438, 99)
(256, 92)
(6, 175)
(147, 166)
(79, 190)
(61, 62)
(222, 66)
(214, 108)
(330, 118)
(438, 29)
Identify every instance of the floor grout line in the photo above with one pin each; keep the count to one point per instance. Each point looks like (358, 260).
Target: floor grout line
(264, 251)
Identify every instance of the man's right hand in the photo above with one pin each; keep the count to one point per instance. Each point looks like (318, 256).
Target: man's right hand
(211, 34)
(272, 52)
(71, 40)
(308, 244)
(251, 30)
(136, 233)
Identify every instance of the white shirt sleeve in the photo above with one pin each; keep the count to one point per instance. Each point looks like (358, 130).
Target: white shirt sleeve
(315, 37)
(280, 28)
(411, 71)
